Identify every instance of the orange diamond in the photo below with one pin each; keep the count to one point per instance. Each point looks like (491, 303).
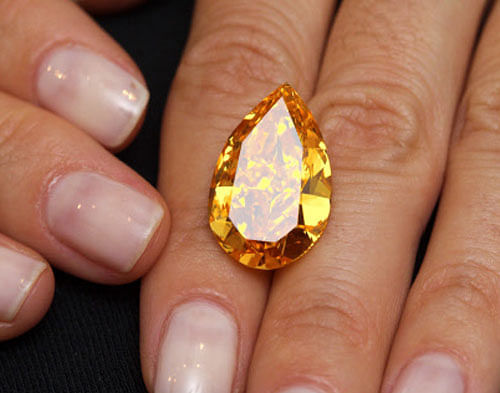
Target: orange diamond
(271, 190)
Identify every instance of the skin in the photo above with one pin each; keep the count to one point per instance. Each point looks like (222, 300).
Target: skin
(385, 93)
(36, 146)
(404, 118)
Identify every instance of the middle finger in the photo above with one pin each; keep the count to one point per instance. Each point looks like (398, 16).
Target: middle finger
(194, 297)
(386, 98)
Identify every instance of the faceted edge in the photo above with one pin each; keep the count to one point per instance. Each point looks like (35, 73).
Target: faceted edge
(227, 235)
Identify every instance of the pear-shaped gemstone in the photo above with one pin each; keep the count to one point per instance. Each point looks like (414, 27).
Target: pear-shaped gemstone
(270, 194)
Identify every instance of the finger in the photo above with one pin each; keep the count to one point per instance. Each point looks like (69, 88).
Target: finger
(238, 52)
(449, 336)
(107, 6)
(26, 288)
(54, 55)
(385, 102)
(72, 201)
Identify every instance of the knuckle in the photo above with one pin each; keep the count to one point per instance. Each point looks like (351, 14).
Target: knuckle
(334, 308)
(384, 120)
(191, 229)
(234, 58)
(476, 143)
(464, 288)
(481, 105)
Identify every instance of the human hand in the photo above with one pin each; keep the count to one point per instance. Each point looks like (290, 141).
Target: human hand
(385, 91)
(65, 87)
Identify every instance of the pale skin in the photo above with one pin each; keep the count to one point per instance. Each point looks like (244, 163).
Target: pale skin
(407, 101)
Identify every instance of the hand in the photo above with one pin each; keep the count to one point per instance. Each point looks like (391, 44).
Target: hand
(384, 84)
(65, 88)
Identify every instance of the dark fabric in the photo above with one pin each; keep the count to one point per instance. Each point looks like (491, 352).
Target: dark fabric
(88, 342)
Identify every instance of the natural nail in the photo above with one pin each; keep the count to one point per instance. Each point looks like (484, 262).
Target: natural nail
(104, 220)
(18, 273)
(299, 389)
(431, 373)
(198, 353)
(92, 92)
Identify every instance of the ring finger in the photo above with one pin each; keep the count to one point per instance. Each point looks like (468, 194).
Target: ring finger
(385, 102)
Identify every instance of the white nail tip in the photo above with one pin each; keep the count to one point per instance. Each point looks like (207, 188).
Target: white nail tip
(92, 92)
(198, 353)
(18, 274)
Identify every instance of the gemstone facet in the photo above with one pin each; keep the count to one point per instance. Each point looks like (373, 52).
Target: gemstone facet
(270, 195)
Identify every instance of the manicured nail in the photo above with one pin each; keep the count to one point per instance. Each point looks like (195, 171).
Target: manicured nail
(198, 353)
(92, 92)
(18, 273)
(299, 389)
(104, 220)
(431, 373)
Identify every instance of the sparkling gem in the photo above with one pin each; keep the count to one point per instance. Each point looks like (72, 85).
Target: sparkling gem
(270, 195)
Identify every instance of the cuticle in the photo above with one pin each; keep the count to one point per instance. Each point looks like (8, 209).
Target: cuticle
(50, 180)
(317, 384)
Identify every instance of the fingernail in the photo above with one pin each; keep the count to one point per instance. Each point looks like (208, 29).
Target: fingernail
(198, 353)
(431, 373)
(18, 273)
(92, 92)
(299, 389)
(104, 220)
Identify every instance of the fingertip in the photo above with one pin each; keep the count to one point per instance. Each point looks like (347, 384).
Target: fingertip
(117, 222)
(95, 91)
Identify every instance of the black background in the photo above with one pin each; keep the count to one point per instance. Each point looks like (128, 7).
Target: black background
(88, 342)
